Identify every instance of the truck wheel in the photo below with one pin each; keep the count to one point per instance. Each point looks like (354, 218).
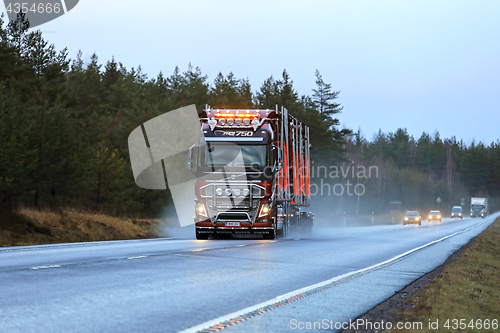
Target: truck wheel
(284, 231)
(202, 236)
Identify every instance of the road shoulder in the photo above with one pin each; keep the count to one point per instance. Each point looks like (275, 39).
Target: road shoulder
(465, 268)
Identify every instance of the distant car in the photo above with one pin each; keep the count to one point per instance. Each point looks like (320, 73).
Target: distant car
(456, 211)
(435, 215)
(412, 217)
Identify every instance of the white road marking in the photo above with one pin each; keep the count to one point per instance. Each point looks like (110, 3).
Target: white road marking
(43, 267)
(138, 257)
(300, 293)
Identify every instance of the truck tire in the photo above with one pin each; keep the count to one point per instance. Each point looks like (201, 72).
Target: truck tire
(202, 236)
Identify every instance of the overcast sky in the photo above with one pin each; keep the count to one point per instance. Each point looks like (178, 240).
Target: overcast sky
(423, 65)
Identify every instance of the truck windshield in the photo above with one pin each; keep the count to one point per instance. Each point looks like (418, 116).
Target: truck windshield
(218, 155)
(476, 207)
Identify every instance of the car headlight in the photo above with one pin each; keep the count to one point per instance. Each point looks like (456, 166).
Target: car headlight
(406, 219)
(459, 214)
(417, 218)
(265, 209)
(219, 191)
(200, 209)
(430, 216)
(439, 216)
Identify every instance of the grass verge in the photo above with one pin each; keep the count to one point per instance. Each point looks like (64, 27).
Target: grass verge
(30, 227)
(468, 288)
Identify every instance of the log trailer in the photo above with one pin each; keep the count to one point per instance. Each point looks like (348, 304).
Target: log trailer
(252, 173)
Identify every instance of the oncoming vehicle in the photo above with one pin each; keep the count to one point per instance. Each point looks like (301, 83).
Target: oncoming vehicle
(435, 215)
(478, 207)
(456, 211)
(412, 217)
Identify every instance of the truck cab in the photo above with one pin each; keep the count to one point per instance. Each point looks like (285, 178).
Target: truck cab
(237, 164)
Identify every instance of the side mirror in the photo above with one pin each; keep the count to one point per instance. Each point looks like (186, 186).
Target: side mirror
(191, 163)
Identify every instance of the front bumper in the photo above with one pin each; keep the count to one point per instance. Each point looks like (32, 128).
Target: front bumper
(235, 230)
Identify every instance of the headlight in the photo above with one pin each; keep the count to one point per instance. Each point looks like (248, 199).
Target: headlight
(406, 219)
(439, 216)
(430, 216)
(238, 121)
(246, 192)
(237, 191)
(200, 209)
(265, 210)
(230, 121)
(222, 122)
(417, 218)
(219, 191)
(228, 191)
(459, 214)
(246, 122)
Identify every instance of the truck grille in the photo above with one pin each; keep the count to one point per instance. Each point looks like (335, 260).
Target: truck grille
(207, 191)
(233, 216)
(238, 203)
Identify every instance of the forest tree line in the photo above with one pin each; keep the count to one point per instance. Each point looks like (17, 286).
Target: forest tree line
(64, 125)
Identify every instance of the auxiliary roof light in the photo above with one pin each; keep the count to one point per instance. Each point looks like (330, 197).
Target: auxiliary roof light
(230, 121)
(212, 123)
(246, 121)
(238, 121)
(222, 121)
(255, 123)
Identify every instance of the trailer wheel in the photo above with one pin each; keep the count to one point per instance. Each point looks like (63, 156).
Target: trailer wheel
(202, 236)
